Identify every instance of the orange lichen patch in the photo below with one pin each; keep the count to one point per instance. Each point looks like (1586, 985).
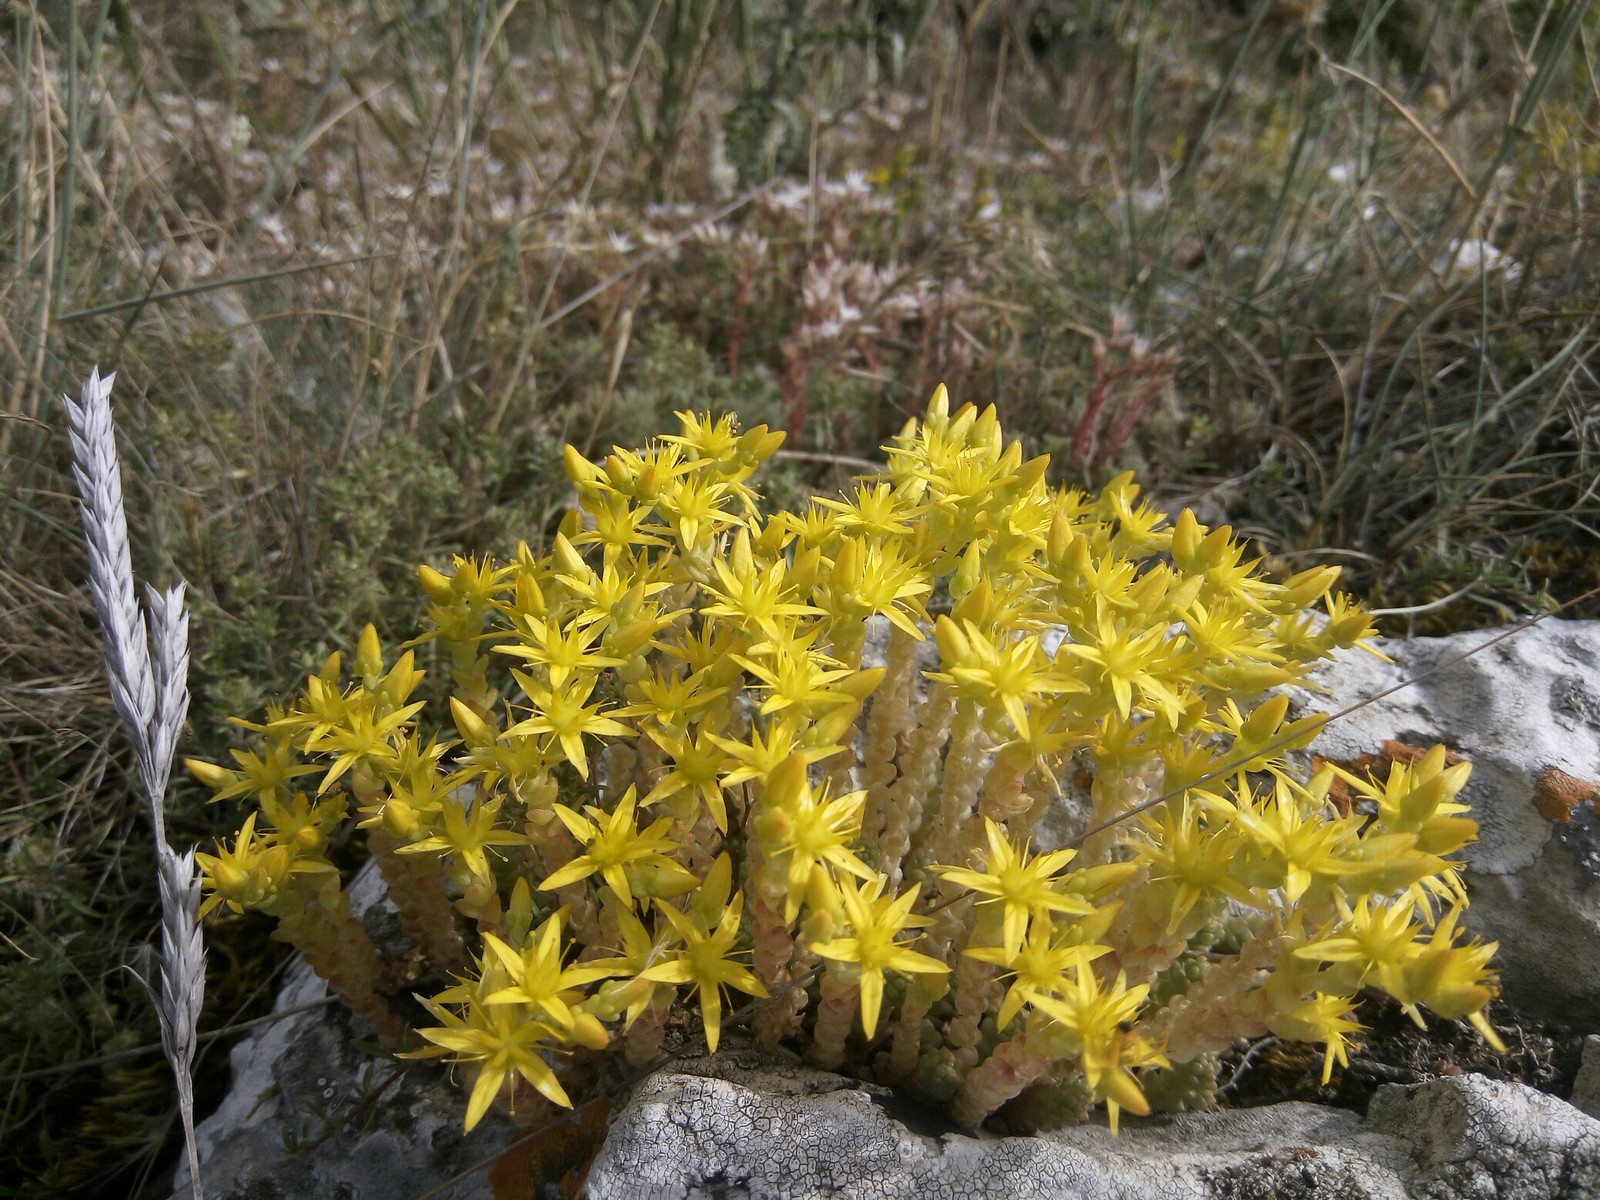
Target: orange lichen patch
(1372, 765)
(1400, 752)
(1557, 794)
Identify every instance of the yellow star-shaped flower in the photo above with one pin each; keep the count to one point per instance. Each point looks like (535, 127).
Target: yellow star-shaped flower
(706, 963)
(1025, 885)
(875, 921)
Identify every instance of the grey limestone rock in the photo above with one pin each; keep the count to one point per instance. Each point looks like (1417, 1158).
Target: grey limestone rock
(1586, 1087)
(785, 1132)
(1473, 1138)
(1528, 704)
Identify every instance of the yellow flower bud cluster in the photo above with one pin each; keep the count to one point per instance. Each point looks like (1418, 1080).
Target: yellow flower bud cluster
(697, 751)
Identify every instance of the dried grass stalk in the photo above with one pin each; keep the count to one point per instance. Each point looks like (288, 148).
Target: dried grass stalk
(147, 664)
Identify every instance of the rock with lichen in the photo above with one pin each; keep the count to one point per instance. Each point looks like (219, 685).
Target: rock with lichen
(736, 1131)
(1525, 712)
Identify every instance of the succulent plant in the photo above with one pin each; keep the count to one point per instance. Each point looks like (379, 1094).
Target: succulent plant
(699, 751)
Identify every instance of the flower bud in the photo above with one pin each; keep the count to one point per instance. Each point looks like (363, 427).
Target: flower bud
(274, 865)
(474, 730)
(588, 1032)
(435, 585)
(230, 881)
(400, 820)
(210, 774)
(567, 558)
(369, 655)
(307, 840)
(581, 473)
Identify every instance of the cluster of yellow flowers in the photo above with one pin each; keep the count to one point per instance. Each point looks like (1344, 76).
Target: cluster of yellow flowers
(699, 751)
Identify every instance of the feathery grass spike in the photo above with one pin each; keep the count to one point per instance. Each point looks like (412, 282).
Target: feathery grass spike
(151, 695)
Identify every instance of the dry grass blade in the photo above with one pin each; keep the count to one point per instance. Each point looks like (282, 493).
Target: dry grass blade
(1410, 119)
